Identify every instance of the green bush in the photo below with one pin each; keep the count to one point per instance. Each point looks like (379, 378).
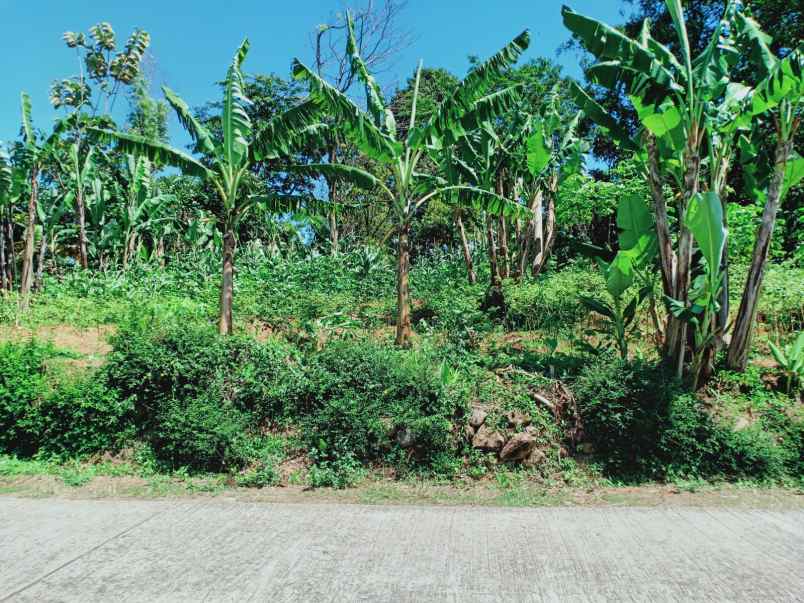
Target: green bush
(46, 412)
(552, 299)
(83, 416)
(377, 403)
(201, 399)
(23, 384)
(643, 426)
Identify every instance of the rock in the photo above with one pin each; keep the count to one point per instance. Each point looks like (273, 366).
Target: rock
(535, 458)
(405, 438)
(478, 416)
(468, 432)
(532, 430)
(517, 418)
(486, 439)
(518, 447)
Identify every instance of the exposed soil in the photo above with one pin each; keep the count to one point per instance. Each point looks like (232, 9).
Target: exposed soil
(412, 493)
(90, 343)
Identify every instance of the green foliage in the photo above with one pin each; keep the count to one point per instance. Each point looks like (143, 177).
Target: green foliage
(552, 299)
(643, 425)
(340, 472)
(200, 399)
(23, 383)
(791, 360)
(82, 416)
(378, 403)
(45, 412)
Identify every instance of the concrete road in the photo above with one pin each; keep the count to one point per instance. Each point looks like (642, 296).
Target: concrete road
(217, 550)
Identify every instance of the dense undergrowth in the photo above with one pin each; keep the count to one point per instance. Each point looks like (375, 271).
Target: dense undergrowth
(311, 390)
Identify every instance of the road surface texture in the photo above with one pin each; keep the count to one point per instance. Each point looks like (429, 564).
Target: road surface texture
(214, 550)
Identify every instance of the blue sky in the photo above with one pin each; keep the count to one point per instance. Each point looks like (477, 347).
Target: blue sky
(192, 42)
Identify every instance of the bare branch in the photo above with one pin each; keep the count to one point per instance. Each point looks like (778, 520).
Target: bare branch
(380, 38)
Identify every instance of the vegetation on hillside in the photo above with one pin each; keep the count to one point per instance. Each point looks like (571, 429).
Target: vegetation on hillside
(433, 285)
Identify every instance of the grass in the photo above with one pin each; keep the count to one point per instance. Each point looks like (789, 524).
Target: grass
(105, 479)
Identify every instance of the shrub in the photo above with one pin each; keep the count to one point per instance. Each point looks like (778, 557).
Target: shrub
(83, 416)
(340, 472)
(373, 402)
(23, 384)
(552, 299)
(643, 426)
(43, 411)
(201, 399)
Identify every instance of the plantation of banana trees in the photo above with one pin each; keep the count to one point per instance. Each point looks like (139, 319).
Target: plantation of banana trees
(499, 166)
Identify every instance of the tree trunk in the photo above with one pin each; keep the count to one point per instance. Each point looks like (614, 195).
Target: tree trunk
(529, 234)
(11, 256)
(40, 265)
(332, 183)
(740, 345)
(467, 254)
(667, 257)
(26, 277)
(128, 251)
(5, 285)
(492, 250)
(227, 284)
(546, 234)
(504, 252)
(160, 251)
(82, 229)
(333, 232)
(403, 330)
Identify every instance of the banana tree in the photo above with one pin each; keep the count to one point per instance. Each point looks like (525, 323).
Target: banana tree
(630, 266)
(52, 207)
(143, 204)
(225, 164)
(374, 133)
(35, 153)
(6, 197)
(554, 151)
(673, 97)
(780, 93)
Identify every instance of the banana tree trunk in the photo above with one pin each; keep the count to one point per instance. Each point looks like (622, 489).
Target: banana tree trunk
(677, 332)
(5, 285)
(529, 234)
(227, 284)
(129, 249)
(26, 277)
(667, 256)
(11, 258)
(82, 228)
(333, 231)
(160, 251)
(467, 254)
(496, 281)
(40, 264)
(332, 183)
(545, 234)
(505, 270)
(403, 328)
(740, 346)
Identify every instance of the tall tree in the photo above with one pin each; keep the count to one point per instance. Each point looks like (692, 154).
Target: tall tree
(103, 72)
(375, 133)
(227, 164)
(379, 38)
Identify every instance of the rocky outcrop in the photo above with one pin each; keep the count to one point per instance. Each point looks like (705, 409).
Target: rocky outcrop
(477, 417)
(487, 439)
(518, 447)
